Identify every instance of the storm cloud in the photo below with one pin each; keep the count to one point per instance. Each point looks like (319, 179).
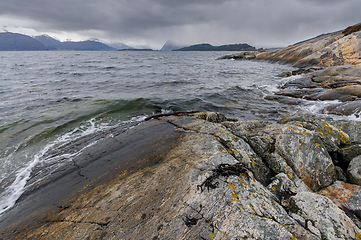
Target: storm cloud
(263, 23)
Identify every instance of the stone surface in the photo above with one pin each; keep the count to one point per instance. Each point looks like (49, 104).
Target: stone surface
(353, 130)
(308, 157)
(345, 50)
(354, 170)
(188, 178)
(331, 136)
(325, 217)
(295, 53)
(347, 197)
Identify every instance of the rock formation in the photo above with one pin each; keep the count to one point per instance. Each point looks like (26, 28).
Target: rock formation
(330, 66)
(201, 177)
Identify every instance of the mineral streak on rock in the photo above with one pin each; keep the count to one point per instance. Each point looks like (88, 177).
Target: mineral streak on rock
(182, 177)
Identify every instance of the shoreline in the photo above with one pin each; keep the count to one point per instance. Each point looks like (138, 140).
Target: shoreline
(168, 188)
(206, 176)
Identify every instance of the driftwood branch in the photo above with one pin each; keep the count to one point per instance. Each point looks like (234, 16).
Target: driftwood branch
(169, 114)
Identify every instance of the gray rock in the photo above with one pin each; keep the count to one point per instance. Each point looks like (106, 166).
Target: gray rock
(353, 130)
(347, 197)
(323, 216)
(304, 151)
(349, 153)
(212, 117)
(246, 128)
(354, 170)
(331, 136)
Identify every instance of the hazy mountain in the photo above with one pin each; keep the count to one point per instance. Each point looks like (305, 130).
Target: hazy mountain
(85, 46)
(19, 42)
(49, 42)
(170, 46)
(209, 47)
(89, 45)
(119, 46)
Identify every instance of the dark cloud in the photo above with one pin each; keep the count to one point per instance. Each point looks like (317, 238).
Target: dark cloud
(258, 22)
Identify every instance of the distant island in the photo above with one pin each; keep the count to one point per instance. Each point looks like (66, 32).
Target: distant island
(209, 47)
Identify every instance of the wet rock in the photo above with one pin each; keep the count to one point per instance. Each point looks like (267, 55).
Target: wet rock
(300, 82)
(284, 74)
(345, 109)
(347, 197)
(323, 216)
(241, 55)
(299, 93)
(284, 99)
(354, 170)
(343, 94)
(212, 117)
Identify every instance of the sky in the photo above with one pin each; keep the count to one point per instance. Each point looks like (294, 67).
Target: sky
(260, 23)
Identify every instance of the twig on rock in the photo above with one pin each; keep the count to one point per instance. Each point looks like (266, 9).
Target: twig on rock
(169, 114)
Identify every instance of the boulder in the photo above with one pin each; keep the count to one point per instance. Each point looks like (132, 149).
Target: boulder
(322, 217)
(347, 197)
(353, 130)
(306, 154)
(354, 170)
(331, 136)
(349, 153)
(345, 109)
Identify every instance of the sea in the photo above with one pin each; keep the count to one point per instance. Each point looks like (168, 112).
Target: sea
(51, 99)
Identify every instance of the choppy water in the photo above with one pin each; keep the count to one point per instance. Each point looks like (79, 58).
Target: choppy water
(49, 100)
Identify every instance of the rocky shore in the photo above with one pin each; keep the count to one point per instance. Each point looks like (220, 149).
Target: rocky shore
(330, 66)
(203, 177)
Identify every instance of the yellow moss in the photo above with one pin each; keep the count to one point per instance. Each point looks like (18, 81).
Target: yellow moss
(212, 235)
(273, 188)
(230, 151)
(234, 139)
(232, 186)
(294, 238)
(358, 236)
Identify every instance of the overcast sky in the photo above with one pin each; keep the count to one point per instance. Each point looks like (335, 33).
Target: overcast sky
(261, 23)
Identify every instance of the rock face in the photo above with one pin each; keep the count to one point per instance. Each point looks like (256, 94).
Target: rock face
(198, 178)
(333, 49)
(295, 53)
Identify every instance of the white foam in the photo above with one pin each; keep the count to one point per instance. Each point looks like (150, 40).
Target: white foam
(14, 191)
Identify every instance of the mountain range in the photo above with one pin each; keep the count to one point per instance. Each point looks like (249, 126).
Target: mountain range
(20, 42)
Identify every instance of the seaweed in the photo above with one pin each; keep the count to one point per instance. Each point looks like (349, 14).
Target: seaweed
(225, 170)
